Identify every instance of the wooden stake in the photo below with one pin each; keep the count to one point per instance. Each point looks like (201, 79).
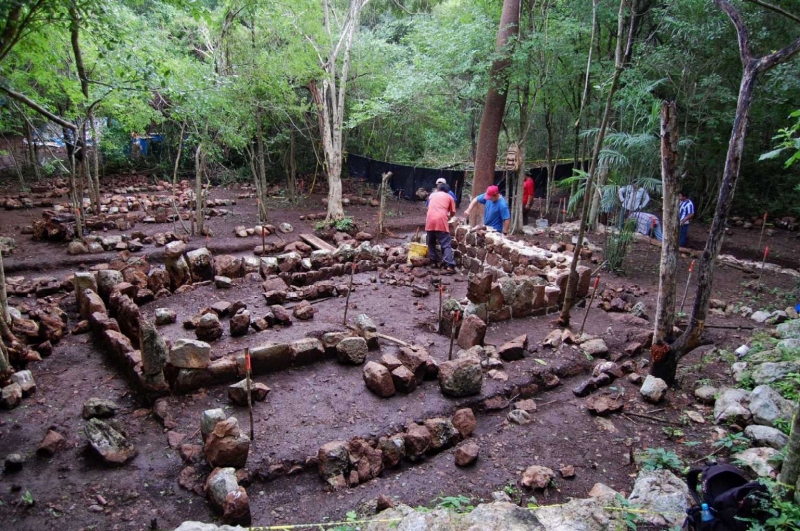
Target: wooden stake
(686, 290)
(349, 291)
(452, 335)
(761, 274)
(594, 292)
(249, 398)
(263, 241)
(381, 213)
(763, 226)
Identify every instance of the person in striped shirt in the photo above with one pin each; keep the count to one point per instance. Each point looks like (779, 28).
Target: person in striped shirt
(686, 213)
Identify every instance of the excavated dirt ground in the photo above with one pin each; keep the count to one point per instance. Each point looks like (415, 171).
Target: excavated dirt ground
(314, 404)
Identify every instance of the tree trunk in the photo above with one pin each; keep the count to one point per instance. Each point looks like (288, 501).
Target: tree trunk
(665, 365)
(329, 102)
(790, 469)
(551, 165)
(95, 174)
(494, 108)
(76, 196)
(667, 282)
(198, 176)
(291, 167)
(620, 62)
(178, 157)
(597, 195)
(3, 295)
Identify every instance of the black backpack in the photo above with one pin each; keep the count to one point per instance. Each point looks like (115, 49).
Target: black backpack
(730, 498)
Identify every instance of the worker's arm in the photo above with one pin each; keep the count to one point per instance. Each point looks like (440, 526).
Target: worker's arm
(471, 205)
(687, 218)
(506, 226)
(645, 199)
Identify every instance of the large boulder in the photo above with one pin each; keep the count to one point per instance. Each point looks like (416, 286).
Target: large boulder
(443, 433)
(190, 354)
(178, 270)
(462, 376)
(82, 281)
(537, 477)
(378, 379)
(732, 407)
(352, 350)
(769, 372)
(109, 441)
(154, 353)
(209, 421)
(759, 461)
(333, 459)
(766, 436)
(767, 406)
(662, 496)
(226, 445)
(464, 421)
(227, 497)
(99, 408)
(653, 389)
(201, 264)
(237, 393)
(472, 332)
(240, 323)
(418, 441)
(514, 349)
(25, 381)
(208, 327)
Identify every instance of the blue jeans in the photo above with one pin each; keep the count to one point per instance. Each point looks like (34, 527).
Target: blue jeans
(684, 234)
(445, 242)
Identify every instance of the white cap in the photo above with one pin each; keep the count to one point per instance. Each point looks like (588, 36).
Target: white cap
(441, 180)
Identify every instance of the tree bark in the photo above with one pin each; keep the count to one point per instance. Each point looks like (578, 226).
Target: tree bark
(494, 108)
(667, 282)
(790, 469)
(3, 295)
(621, 60)
(178, 157)
(198, 176)
(329, 102)
(665, 365)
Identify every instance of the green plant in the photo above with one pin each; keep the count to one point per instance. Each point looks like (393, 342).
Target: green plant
(660, 459)
(459, 504)
(782, 424)
(617, 246)
(629, 511)
(345, 224)
(789, 386)
(350, 517)
(672, 433)
(27, 499)
(784, 514)
(733, 442)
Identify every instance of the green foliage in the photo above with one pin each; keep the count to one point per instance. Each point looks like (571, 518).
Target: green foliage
(660, 459)
(784, 514)
(733, 443)
(459, 504)
(27, 499)
(617, 246)
(630, 515)
(782, 424)
(789, 386)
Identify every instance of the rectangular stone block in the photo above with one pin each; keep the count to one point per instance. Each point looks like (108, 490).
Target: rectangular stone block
(268, 358)
(584, 280)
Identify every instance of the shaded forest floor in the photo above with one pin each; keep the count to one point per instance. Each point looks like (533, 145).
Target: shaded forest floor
(312, 405)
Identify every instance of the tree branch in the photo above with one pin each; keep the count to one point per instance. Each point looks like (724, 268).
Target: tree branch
(38, 108)
(741, 30)
(776, 9)
(775, 58)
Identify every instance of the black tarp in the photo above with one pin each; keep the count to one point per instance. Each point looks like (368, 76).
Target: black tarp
(407, 179)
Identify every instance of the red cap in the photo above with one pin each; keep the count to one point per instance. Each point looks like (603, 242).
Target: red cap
(492, 191)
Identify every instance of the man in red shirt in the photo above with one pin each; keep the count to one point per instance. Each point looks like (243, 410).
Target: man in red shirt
(527, 198)
(441, 208)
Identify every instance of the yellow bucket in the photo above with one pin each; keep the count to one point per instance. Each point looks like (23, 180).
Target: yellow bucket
(416, 250)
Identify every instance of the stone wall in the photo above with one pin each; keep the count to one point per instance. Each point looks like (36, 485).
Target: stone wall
(511, 279)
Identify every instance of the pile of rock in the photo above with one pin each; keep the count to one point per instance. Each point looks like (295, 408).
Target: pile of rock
(403, 372)
(348, 464)
(513, 279)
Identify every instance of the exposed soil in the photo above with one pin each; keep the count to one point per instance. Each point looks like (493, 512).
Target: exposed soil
(311, 405)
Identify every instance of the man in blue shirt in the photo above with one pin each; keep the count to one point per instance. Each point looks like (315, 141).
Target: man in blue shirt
(686, 213)
(496, 213)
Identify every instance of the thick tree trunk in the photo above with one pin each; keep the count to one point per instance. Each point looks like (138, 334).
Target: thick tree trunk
(95, 173)
(494, 108)
(790, 469)
(667, 282)
(620, 62)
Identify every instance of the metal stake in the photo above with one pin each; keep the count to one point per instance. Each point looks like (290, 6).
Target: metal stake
(594, 292)
(685, 291)
(439, 322)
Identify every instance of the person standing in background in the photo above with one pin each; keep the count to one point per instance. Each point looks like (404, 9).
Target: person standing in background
(527, 197)
(686, 213)
(441, 207)
(496, 213)
(633, 199)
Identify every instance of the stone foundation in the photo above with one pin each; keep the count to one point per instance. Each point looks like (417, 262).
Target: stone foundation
(510, 279)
